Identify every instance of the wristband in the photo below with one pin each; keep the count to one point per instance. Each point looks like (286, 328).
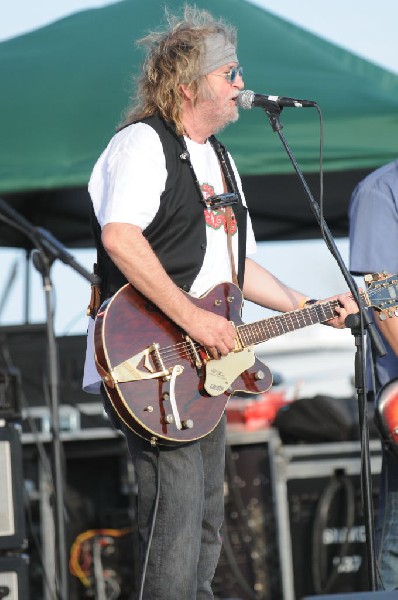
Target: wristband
(310, 301)
(303, 302)
(307, 302)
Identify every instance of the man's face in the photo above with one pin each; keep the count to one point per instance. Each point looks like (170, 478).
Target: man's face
(217, 96)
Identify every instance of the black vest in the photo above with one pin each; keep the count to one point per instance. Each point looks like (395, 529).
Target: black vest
(177, 234)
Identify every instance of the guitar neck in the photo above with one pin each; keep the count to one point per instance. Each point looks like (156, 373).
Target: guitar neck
(266, 329)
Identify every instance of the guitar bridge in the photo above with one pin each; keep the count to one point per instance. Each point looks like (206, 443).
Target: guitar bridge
(194, 352)
(129, 370)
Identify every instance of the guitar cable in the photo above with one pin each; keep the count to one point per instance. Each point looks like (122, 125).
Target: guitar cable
(155, 512)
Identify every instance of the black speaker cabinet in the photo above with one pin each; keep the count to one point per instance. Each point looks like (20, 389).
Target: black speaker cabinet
(99, 499)
(294, 521)
(14, 583)
(25, 348)
(12, 514)
(249, 567)
(322, 536)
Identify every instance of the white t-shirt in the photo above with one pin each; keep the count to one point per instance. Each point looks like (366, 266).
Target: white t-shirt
(125, 187)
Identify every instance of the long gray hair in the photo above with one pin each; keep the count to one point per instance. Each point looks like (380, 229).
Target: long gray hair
(174, 56)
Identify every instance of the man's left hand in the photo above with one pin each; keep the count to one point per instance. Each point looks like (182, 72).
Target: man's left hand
(348, 306)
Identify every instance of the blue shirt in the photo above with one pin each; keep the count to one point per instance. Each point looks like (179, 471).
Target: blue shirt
(373, 215)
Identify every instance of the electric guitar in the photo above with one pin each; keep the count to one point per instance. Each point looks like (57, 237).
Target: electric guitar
(386, 405)
(164, 385)
(386, 414)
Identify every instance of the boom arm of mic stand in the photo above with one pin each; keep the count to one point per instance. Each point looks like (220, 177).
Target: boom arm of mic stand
(47, 245)
(55, 249)
(357, 330)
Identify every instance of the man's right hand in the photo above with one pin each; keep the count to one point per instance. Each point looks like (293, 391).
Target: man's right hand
(212, 331)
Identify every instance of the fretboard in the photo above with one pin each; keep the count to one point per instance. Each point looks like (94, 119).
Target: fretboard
(266, 329)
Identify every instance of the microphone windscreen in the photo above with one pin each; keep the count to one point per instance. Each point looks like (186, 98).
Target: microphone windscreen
(245, 99)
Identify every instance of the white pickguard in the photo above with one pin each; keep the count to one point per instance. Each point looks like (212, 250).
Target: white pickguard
(222, 372)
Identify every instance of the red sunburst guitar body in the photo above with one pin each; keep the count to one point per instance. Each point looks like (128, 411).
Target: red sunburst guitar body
(386, 414)
(127, 325)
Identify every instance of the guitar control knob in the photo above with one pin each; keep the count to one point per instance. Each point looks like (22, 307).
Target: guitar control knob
(149, 408)
(259, 375)
(188, 424)
(169, 419)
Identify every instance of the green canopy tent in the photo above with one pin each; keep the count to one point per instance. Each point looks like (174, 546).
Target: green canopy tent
(65, 86)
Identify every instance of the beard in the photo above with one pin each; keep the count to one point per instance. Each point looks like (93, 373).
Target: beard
(216, 111)
(218, 115)
(231, 117)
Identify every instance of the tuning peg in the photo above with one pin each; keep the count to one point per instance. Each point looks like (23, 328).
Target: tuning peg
(375, 276)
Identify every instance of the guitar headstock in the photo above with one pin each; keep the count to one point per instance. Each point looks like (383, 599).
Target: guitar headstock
(382, 293)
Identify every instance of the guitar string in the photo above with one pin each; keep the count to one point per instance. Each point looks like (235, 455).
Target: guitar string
(272, 326)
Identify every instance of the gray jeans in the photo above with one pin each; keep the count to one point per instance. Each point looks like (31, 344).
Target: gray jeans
(186, 543)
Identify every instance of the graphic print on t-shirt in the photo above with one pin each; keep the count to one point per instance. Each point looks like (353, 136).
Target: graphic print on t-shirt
(216, 218)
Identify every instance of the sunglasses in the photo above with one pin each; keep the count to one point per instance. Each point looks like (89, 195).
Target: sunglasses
(232, 74)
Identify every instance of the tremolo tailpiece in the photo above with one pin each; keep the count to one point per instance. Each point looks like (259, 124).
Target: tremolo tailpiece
(129, 370)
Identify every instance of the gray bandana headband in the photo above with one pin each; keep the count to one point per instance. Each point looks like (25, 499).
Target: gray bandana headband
(218, 52)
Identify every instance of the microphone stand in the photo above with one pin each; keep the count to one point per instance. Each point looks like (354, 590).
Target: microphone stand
(48, 248)
(357, 323)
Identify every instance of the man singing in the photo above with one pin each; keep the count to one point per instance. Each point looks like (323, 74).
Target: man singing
(162, 224)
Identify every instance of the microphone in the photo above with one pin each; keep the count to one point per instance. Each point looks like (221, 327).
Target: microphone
(248, 99)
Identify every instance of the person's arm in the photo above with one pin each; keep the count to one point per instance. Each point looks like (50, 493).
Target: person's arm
(134, 257)
(263, 288)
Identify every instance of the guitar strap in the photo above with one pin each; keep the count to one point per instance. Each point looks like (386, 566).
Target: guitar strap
(228, 186)
(228, 215)
(229, 220)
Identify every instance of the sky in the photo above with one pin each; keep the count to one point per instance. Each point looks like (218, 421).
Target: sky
(360, 26)
(356, 25)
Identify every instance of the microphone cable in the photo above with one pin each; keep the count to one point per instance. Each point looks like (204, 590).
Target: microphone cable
(321, 196)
